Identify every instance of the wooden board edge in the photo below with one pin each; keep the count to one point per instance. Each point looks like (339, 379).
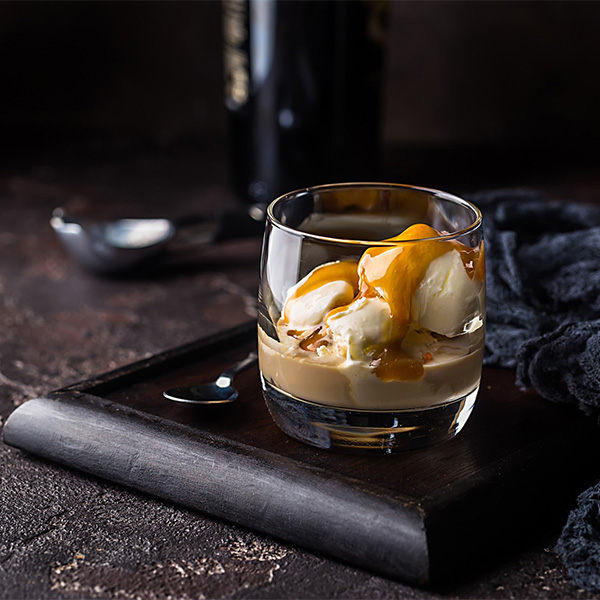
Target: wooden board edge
(274, 495)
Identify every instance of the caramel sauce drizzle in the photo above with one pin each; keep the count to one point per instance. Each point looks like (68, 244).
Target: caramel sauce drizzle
(391, 363)
(392, 274)
(314, 340)
(343, 270)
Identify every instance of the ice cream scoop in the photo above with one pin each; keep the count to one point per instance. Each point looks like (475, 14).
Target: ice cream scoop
(446, 298)
(363, 311)
(115, 247)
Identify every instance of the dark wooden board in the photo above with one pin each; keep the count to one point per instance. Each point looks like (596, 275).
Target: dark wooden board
(424, 516)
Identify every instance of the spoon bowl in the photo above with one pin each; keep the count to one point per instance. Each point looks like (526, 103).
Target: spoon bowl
(220, 391)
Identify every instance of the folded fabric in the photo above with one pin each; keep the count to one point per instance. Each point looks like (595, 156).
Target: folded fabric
(579, 542)
(543, 288)
(543, 318)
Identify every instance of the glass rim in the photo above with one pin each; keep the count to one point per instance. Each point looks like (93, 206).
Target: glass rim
(477, 221)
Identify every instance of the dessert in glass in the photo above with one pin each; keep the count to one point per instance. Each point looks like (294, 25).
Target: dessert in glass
(371, 315)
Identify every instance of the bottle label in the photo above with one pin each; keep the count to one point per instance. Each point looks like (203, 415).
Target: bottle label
(235, 51)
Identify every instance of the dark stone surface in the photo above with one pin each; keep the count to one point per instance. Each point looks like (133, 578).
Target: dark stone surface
(66, 535)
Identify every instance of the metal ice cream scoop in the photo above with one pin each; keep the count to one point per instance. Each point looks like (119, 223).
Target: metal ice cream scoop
(111, 247)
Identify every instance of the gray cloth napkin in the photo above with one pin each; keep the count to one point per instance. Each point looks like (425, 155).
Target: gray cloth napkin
(543, 287)
(543, 318)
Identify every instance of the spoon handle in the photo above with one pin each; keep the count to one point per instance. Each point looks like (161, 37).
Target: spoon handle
(244, 364)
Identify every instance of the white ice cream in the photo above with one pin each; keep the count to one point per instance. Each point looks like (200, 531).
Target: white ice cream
(338, 364)
(310, 310)
(362, 324)
(447, 297)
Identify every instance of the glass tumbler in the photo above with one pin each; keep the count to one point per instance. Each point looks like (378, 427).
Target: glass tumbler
(371, 315)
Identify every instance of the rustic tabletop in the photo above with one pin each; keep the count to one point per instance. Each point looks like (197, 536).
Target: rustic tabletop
(69, 535)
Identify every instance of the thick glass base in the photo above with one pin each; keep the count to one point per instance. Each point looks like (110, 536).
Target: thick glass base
(366, 431)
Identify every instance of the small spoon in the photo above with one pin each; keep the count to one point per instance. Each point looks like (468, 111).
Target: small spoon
(114, 247)
(221, 391)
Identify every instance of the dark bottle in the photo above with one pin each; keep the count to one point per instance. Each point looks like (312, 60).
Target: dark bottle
(303, 89)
